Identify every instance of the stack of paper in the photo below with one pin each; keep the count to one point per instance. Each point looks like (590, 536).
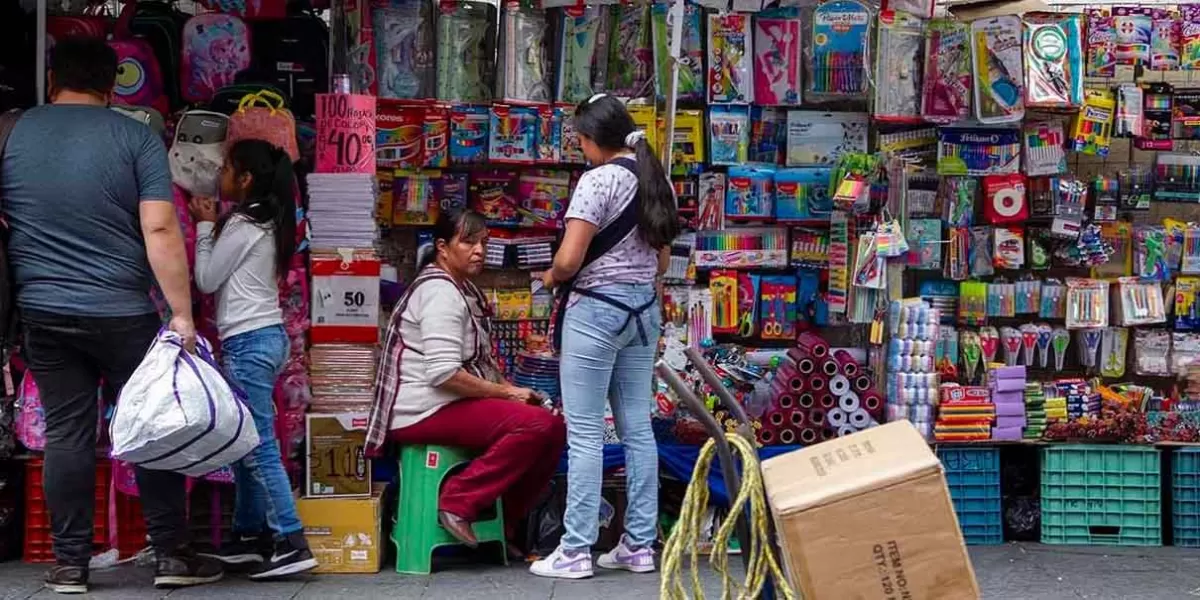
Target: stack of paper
(341, 210)
(343, 377)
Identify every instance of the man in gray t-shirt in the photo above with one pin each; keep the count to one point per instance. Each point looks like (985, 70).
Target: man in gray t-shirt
(87, 195)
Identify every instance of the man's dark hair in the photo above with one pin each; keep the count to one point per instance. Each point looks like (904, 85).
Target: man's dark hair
(84, 65)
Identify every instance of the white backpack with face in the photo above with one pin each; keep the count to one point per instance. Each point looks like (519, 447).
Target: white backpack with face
(198, 151)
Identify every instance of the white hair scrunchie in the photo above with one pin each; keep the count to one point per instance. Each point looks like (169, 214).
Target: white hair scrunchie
(634, 136)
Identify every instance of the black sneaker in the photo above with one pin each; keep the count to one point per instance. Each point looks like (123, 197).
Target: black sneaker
(185, 568)
(244, 550)
(66, 579)
(291, 556)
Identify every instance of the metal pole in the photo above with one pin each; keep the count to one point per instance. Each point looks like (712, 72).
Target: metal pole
(40, 59)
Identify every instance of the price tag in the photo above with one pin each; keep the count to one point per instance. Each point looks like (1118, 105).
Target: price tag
(345, 133)
(336, 449)
(345, 300)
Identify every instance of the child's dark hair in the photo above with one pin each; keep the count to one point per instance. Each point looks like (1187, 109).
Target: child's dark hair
(467, 224)
(605, 120)
(271, 198)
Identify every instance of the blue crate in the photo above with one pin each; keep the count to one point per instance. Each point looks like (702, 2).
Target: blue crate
(1101, 495)
(1185, 499)
(973, 476)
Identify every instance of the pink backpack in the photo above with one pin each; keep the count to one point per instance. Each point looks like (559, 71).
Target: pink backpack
(215, 48)
(139, 78)
(263, 116)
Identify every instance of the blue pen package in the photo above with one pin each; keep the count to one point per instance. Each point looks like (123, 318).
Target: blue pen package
(841, 31)
(729, 134)
(973, 151)
(512, 134)
(802, 194)
(469, 134)
(750, 193)
(768, 128)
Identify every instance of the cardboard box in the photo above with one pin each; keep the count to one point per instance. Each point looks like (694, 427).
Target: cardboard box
(337, 462)
(868, 516)
(345, 534)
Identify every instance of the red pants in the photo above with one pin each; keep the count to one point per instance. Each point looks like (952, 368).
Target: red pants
(520, 447)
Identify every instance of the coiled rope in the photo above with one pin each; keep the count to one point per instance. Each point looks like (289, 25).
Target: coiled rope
(686, 534)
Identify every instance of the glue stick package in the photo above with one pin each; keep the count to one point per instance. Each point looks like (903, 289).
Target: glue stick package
(729, 57)
(898, 67)
(777, 36)
(946, 88)
(996, 59)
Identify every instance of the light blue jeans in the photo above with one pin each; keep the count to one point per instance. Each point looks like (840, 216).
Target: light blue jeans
(253, 360)
(605, 359)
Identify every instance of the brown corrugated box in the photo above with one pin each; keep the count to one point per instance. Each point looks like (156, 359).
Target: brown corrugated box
(868, 517)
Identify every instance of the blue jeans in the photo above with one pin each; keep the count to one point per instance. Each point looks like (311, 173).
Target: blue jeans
(253, 360)
(605, 359)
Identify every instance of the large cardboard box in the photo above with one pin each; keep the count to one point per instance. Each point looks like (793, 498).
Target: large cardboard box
(345, 534)
(868, 517)
(337, 460)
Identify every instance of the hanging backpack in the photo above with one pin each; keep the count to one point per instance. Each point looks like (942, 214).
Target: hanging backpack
(249, 9)
(160, 24)
(263, 116)
(139, 78)
(293, 54)
(60, 27)
(228, 98)
(216, 48)
(198, 151)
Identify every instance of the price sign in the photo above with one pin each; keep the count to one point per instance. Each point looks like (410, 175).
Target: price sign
(336, 449)
(345, 300)
(345, 133)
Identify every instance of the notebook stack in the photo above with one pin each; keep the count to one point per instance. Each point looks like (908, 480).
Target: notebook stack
(1007, 385)
(341, 210)
(343, 377)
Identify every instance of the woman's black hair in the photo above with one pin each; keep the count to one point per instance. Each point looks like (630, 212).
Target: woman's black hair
(271, 198)
(605, 120)
(453, 222)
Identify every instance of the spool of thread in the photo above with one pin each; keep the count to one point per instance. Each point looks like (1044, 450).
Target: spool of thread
(862, 383)
(845, 430)
(830, 367)
(766, 436)
(805, 365)
(797, 418)
(871, 401)
(797, 383)
(849, 402)
(777, 419)
(816, 416)
(837, 417)
(920, 413)
(805, 401)
(812, 343)
(846, 362)
(786, 401)
(897, 412)
(818, 382)
(827, 434)
(860, 419)
(839, 385)
(809, 435)
(787, 436)
(827, 401)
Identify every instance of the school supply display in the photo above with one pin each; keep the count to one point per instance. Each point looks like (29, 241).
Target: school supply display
(1133, 25)
(730, 43)
(997, 69)
(802, 194)
(1043, 148)
(262, 116)
(1101, 43)
(630, 55)
(966, 151)
(1053, 61)
(692, 78)
(1092, 132)
(897, 68)
(466, 35)
(404, 49)
(198, 152)
(729, 134)
(838, 67)
(947, 78)
(1157, 115)
(750, 193)
(584, 51)
(776, 43)
(215, 48)
(1004, 199)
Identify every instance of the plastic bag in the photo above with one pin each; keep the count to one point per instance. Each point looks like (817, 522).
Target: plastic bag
(178, 413)
(31, 422)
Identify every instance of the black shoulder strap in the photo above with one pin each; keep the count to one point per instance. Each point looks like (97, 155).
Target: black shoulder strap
(608, 237)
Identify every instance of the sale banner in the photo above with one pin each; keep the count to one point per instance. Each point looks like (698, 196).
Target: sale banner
(345, 133)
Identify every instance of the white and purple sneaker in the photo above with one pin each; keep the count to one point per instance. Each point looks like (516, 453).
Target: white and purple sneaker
(564, 564)
(628, 558)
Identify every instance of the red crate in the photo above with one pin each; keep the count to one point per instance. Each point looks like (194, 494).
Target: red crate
(131, 525)
(37, 547)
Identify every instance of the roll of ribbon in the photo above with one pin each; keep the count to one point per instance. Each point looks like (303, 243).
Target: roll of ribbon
(849, 402)
(816, 416)
(827, 434)
(846, 362)
(786, 401)
(837, 417)
(830, 367)
(812, 343)
(839, 385)
(845, 430)
(871, 401)
(809, 435)
(797, 418)
(787, 436)
(860, 419)
(862, 383)
(805, 365)
(827, 401)
(766, 435)
(805, 401)
(779, 387)
(777, 419)
(797, 383)
(818, 383)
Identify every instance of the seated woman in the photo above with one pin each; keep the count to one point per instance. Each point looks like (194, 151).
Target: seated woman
(438, 383)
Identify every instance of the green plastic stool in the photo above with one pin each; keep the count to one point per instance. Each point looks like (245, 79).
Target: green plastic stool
(417, 532)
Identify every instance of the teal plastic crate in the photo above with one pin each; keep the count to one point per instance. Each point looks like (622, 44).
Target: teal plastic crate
(1101, 495)
(973, 476)
(1185, 497)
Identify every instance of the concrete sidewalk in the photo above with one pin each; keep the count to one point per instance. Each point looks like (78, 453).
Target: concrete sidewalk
(1014, 571)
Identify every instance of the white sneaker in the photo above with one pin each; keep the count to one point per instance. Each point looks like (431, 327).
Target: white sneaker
(624, 558)
(561, 565)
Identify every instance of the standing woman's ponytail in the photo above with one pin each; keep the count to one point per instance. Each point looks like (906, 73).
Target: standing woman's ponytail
(271, 198)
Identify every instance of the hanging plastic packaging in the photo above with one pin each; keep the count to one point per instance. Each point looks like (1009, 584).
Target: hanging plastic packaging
(689, 87)
(946, 94)
(996, 60)
(729, 57)
(1053, 61)
(466, 51)
(777, 38)
(404, 49)
(631, 58)
(898, 67)
(838, 65)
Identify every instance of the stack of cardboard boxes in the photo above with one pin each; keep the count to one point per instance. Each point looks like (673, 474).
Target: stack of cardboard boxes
(341, 508)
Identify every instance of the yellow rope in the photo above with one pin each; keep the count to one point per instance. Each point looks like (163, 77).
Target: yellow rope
(686, 533)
